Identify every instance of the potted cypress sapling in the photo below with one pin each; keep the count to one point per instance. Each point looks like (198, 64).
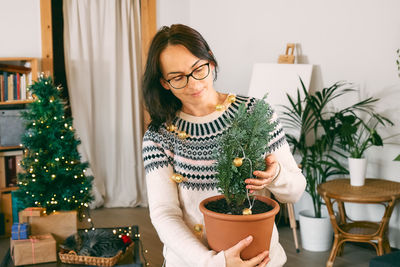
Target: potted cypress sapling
(242, 150)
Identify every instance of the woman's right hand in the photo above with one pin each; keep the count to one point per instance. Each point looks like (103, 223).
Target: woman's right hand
(232, 256)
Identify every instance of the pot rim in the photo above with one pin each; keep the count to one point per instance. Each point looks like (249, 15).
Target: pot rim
(231, 217)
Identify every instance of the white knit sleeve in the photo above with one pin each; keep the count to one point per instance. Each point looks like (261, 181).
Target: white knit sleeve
(166, 213)
(290, 183)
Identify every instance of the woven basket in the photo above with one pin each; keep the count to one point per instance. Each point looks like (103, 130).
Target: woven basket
(72, 258)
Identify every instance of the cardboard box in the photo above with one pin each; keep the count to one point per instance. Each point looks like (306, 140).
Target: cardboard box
(37, 249)
(32, 212)
(61, 224)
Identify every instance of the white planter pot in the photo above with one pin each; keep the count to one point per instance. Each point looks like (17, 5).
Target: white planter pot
(357, 169)
(316, 233)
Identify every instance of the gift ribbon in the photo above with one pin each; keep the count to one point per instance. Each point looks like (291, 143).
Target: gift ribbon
(19, 228)
(33, 241)
(32, 209)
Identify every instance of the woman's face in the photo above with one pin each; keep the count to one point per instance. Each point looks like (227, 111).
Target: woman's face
(176, 61)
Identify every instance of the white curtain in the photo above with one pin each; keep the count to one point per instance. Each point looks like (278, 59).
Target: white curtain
(102, 58)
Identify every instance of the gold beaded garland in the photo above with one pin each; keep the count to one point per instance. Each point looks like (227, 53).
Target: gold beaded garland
(171, 128)
(182, 135)
(231, 98)
(177, 178)
(220, 107)
(247, 211)
(198, 228)
(238, 162)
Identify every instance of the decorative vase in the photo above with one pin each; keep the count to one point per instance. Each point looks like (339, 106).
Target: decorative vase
(316, 233)
(225, 230)
(357, 169)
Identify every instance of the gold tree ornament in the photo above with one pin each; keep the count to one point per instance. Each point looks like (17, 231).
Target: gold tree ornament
(182, 135)
(171, 128)
(231, 98)
(220, 107)
(198, 228)
(247, 211)
(177, 178)
(238, 162)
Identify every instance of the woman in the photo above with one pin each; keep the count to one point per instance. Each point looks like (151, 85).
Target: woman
(187, 115)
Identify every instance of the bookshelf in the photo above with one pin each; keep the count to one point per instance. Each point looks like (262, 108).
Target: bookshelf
(20, 72)
(9, 169)
(16, 74)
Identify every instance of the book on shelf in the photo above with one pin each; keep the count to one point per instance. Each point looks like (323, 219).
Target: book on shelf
(13, 86)
(10, 86)
(1, 88)
(10, 171)
(15, 76)
(5, 75)
(10, 167)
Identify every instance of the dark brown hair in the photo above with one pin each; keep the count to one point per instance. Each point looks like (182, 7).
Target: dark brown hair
(161, 104)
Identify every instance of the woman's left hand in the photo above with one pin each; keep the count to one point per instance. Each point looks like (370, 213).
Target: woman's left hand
(263, 178)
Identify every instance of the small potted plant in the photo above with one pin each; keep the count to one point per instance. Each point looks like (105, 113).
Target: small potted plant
(356, 135)
(236, 213)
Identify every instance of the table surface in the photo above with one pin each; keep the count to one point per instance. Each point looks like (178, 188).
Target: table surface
(373, 191)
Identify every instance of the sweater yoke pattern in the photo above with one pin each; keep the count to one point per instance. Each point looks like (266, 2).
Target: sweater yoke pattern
(193, 157)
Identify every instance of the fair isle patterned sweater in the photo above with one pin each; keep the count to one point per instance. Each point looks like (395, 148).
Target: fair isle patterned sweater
(174, 207)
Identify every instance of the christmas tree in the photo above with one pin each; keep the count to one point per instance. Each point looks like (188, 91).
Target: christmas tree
(242, 149)
(54, 177)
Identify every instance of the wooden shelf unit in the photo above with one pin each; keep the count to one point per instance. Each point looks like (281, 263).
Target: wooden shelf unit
(15, 64)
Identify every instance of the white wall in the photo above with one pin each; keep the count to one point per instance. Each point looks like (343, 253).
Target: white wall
(354, 41)
(20, 28)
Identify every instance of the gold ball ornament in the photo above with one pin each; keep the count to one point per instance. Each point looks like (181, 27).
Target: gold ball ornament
(246, 211)
(182, 135)
(177, 178)
(231, 98)
(220, 107)
(171, 128)
(198, 228)
(238, 162)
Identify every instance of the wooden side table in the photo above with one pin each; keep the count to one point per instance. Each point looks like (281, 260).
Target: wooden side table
(375, 191)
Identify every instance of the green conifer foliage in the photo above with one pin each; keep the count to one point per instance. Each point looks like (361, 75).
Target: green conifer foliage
(54, 177)
(247, 138)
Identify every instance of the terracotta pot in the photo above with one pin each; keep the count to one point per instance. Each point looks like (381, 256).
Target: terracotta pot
(225, 230)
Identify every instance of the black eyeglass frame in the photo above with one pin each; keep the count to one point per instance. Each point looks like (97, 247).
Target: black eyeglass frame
(190, 74)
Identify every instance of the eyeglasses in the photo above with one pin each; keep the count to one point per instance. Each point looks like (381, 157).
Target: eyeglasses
(199, 73)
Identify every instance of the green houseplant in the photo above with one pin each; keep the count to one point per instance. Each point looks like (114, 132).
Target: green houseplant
(356, 135)
(241, 150)
(320, 129)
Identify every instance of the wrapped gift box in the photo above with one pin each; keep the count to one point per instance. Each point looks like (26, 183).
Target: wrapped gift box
(30, 212)
(37, 249)
(60, 223)
(20, 231)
